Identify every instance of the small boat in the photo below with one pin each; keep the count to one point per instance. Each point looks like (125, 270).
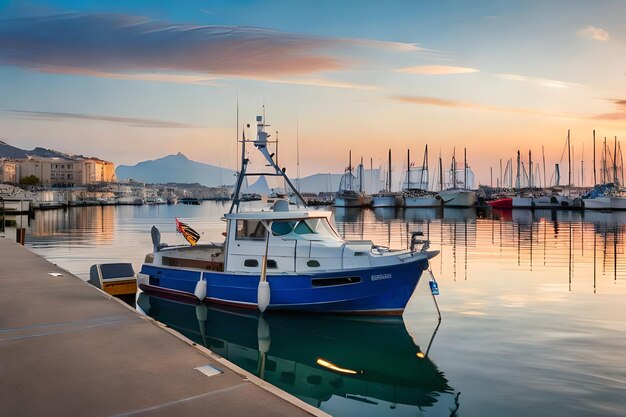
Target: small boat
(117, 279)
(285, 259)
(501, 203)
(191, 201)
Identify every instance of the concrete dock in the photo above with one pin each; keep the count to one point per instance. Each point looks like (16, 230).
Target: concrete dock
(67, 348)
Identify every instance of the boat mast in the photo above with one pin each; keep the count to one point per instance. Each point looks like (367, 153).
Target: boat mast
(389, 173)
(501, 178)
(615, 161)
(530, 169)
(454, 167)
(465, 168)
(440, 173)
(543, 156)
(260, 143)
(424, 167)
(517, 178)
(569, 162)
(242, 174)
(361, 176)
(350, 170)
(408, 169)
(595, 182)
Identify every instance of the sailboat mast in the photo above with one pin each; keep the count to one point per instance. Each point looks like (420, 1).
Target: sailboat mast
(350, 169)
(408, 169)
(454, 167)
(465, 168)
(389, 172)
(361, 176)
(440, 173)
(543, 156)
(569, 162)
(615, 161)
(530, 169)
(424, 167)
(594, 158)
(517, 178)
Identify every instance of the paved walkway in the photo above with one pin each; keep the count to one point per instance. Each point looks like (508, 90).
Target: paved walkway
(67, 349)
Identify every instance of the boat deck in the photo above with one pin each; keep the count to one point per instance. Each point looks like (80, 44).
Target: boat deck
(67, 348)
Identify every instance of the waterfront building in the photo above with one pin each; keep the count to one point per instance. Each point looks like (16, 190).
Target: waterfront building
(8, 171)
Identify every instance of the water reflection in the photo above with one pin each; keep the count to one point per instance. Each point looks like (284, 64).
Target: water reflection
(576, 244)
(346, 366)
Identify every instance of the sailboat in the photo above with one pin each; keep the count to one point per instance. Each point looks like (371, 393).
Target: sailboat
(285, 259)
(416, 193)
(608, 195)
(456, 196)
(350, 193)
(386, 198)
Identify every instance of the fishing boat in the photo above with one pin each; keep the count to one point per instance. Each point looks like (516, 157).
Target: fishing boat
(286, 258)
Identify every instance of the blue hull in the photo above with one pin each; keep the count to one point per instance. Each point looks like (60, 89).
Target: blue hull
(380, 290)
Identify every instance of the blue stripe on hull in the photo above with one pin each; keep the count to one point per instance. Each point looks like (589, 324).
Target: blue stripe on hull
(383, 289)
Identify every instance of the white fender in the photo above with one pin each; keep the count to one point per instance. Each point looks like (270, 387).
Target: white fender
(200, 291)
(263, 295)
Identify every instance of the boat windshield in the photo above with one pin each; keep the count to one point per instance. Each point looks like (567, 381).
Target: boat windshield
(308, 229)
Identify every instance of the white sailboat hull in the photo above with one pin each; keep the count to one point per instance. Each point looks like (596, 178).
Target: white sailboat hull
(425, 201)
(605, 203)
(458, 198)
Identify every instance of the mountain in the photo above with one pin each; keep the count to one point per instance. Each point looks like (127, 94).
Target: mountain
(8, 151)
(176, 168)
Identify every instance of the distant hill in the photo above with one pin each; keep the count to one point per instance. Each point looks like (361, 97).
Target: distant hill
(8, 151)
(176, 168)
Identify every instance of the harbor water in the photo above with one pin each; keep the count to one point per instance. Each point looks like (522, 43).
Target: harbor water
(533, 306)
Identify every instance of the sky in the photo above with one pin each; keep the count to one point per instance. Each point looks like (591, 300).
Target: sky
(136, 80)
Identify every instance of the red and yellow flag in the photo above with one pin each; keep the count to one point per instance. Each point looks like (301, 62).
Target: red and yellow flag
(191, 235)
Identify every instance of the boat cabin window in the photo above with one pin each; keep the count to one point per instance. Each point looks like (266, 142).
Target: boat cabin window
(307, 229)
(250, 229)
(283, 227)
(251, 263)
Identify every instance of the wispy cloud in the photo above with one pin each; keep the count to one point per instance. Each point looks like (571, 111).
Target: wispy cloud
(437, 70)
(619, 114)
(594, 33)
(137, 48)
(127, 121)
(388, 45)
(322, 82)
(121, 43)
(539, 81)
(136, 76)
(439, 102)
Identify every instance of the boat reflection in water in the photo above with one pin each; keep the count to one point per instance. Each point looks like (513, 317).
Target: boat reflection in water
(336, 363)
